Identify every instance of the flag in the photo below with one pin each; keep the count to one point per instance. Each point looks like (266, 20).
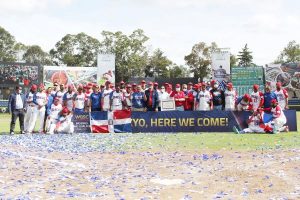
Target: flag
(99, 122)
(122, 121)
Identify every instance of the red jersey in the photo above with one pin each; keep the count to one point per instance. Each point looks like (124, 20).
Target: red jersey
(177, 96)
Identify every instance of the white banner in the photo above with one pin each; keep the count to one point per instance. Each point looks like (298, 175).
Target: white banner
(106, 68)
(220, 62)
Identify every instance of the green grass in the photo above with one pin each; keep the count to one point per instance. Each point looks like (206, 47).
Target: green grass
(191, 142)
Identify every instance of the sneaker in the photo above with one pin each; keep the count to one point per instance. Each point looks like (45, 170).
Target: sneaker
(22, 132)
(12, 133)
(236, 130)
(287, 129)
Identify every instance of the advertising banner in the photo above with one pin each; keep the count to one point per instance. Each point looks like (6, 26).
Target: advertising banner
(69, 75)
(289, 76)
(220, 61)
(106, 68)
(81, 122)
(19, 74)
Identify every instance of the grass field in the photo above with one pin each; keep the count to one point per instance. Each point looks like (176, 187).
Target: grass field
(181, 166)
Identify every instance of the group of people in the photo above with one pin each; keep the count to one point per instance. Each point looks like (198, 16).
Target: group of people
(53, 107)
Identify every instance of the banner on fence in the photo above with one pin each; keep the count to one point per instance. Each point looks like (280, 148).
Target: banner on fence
(171, 121)
(220, 61)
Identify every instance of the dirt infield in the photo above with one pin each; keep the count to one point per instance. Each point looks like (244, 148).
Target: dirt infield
(33, 173)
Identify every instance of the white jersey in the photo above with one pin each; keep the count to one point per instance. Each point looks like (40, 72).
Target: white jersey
(106, 100)
(69, 100)
(41, 98)
(204, 100)
(282, 95)
(230, 99)
(257, 98)
(29, 99)
(278, 113)
(60, 95)
(55, 110)
(117, 98)
(127, 97)
(79, 100)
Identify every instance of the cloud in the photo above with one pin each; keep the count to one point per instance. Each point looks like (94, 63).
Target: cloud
(9, 7)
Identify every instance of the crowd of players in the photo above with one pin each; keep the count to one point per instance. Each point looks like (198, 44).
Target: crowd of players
(53, 106)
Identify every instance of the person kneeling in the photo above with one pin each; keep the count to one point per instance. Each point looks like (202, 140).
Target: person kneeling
(255, 124)
(63, 124)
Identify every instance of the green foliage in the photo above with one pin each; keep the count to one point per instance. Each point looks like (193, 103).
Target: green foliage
(233, 60)
(290, 54)
(178, 71)
(7, 46)
(199, 59)
(245, 58)
(130, 50)
(35, 54)
(76, 50)
(158, 64)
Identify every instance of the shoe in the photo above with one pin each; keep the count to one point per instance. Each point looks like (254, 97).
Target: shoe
(12, 133)
(236, 130)
(22, 132)
(287, 129)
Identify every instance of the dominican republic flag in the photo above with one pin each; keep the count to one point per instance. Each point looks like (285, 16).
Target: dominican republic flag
(122, 121)
(109, 122)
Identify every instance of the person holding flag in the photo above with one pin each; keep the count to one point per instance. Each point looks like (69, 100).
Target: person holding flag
(106, 97)
(116, 99)
(95, 99)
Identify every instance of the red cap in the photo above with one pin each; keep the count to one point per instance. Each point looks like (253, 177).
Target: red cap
(212, 82)
(143, 81)
(134, 84)
(273, 101)
(122, 82)
(155, 84)
(230, 85)
(203, 84)
(177, 85)
(190, 83)
(166, 84)
(255, 87)
(246, 96)
(56, 99)
(80, 86)
(198, 85)
(33, 87)
(128, 86)
(65, 110)
(107, 82)
(278, 84)
(150, 83)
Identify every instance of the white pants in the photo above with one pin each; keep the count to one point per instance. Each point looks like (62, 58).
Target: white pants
(254, 130)
(279, 124)
(117, 107)
(50, 122)
(65, 127)
(40, 115)
(29, 117)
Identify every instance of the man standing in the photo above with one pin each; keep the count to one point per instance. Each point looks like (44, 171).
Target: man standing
(138, 103)
(16, 106)
(60, 93)
(217, 96)
(282, 96)
(53, 114)
(257, 98)
(39, 113)
(68, 98)
(30, 107)
(230, 98)
(105, 97)
(116, 99)
(95, 99)
(179, 98)
(79, 100)
(204, 98)
(128, 97)
(268, 97)
(151, 98)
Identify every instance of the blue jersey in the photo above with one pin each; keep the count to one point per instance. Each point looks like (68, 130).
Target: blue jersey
(268, 98)
(96, 100)
(138, 100)
(49, 103)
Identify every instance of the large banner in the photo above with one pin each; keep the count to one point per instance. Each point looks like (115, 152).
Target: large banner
(220, 61)
(69, 75)
(170, 121)
(19, 74)
(289, 76)
(106, 68)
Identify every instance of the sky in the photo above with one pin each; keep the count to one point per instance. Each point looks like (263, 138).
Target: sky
(174, 26)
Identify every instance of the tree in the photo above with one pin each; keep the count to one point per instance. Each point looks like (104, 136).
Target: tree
(199, 59)
(130, 51)
(178, 71)
(7, 44)
(245, 58)
(76, 50)
(233, 60)
(291, 53)
(158, 64)
(35, 54)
